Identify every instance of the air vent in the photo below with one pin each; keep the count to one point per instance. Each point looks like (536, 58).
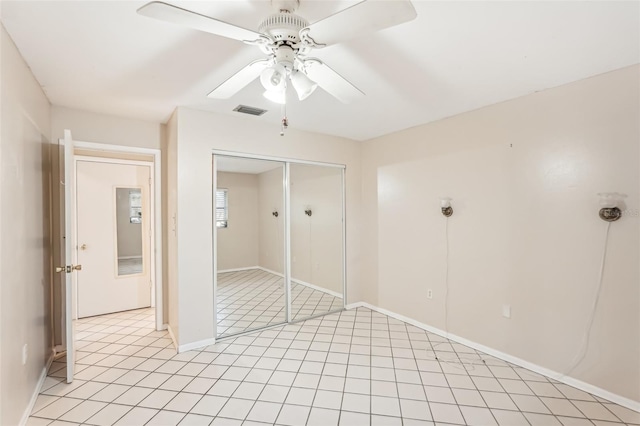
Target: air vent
(249, 110)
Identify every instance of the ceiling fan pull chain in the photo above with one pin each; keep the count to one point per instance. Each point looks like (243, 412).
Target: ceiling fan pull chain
(285, 120)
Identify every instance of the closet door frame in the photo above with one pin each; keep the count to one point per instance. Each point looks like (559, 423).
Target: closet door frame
(287, 234)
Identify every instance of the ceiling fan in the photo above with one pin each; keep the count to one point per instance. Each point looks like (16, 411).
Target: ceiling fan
(287, 40)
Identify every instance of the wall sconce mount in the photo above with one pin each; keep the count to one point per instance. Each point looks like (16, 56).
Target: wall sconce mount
(445, 205)
(610, 203)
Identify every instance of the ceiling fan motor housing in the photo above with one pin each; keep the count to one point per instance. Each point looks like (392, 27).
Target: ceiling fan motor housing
(284, 28)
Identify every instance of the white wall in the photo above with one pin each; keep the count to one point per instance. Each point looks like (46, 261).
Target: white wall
(198, 134)
(271, 241)
(525, 231)
(238, 242)
(316, 240)
(25, 267)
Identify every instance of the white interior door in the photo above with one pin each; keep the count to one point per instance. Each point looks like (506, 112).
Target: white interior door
(68, 269)
(114, 231)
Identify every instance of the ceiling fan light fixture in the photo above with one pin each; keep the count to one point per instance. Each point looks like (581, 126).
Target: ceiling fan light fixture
(279, 97)
(274, 78)
(303, 85)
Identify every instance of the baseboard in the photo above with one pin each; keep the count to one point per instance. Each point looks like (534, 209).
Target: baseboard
(172, 336)
(196, 345)
(163, 327)
(587, 387)
(315, 287)
(248, 268)
(36, 392)
(306, 284)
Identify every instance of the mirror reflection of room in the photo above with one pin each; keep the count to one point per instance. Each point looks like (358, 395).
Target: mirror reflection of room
(250, 244)
(129, 230)
(316, 240)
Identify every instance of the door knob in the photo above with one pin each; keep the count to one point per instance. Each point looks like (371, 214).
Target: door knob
(83, 247)
(60, 269)
(76, 267)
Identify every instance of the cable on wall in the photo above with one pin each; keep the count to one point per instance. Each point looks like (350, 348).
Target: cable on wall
(466, 364)
(587, 334)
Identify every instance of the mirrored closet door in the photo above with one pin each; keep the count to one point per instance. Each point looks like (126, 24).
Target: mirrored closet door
(316, 240)
(278, 242)
(249, 223)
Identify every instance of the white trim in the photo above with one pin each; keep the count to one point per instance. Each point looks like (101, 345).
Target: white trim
(164, 327)
(587, 387)
(129, 257)
(36, 391)
(172, 336)
(280, 159)
(315, 287)
(157, 207)
(293, 280)
(248, 268)
(196, 345)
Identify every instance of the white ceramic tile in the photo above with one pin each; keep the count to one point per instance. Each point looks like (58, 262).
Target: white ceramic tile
(323, 417)
(183, 402)
(415, 409)
(109, 415)
(57, 408)
(478, 416)
(293, 415)
(166, 418)
(446, 413)
(137, 416)
(266, 412)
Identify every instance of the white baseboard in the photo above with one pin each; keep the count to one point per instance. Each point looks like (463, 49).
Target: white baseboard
(315, 287)
(172, 336)
(587, 387)
(36, 391)
(269, 271)
(248, 268)
(189, 346)
(306, 284)
(196, 345)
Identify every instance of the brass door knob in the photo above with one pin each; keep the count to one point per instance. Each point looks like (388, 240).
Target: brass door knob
(83, 247)
(76, 267)
(60, 269)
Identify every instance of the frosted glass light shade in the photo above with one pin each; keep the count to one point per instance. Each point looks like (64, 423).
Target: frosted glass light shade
(303, 85)
(274, 78)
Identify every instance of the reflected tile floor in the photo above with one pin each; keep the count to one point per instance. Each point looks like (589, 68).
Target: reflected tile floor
(255, 298)
(356, 367)
(130, 266)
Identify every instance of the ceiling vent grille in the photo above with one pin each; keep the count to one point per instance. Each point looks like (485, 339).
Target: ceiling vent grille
(249, 110)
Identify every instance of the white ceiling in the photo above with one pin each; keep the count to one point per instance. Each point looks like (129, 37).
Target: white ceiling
(454, 57)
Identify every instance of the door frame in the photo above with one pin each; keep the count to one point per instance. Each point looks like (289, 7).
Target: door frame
(155, 201)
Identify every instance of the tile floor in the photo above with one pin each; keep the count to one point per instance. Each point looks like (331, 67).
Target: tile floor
(130, 266)
(355, 367)
(253, 299)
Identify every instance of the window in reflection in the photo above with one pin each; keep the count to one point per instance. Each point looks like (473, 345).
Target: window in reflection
(128, 231)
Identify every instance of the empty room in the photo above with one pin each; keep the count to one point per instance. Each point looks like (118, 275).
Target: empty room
(303, 212)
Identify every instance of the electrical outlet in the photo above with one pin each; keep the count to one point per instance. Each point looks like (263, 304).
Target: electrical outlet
(24, 354)
(429, 294)
(506, 311)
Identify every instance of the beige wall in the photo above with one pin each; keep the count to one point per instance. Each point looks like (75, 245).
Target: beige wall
(89, 126)
(238, 243)
(316, 240)
(198, 134)
(25, 264)
(271, 240)
(525, 231)
(171, 225)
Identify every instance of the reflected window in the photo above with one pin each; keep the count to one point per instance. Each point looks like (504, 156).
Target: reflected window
(135, 206)
(222, 208)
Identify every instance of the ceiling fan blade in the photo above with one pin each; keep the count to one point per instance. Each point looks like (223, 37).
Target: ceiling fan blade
(239, 80)
(176, 15)
(331, 81)
(360, 19)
